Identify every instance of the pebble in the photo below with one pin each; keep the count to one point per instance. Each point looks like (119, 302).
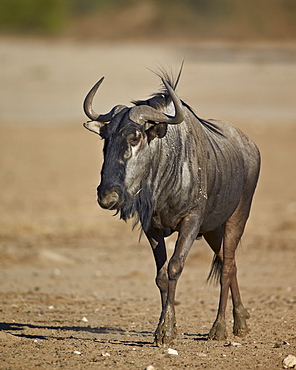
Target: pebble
(289, 362)
(77, 353)
(171, 351)
(232, 344)
(106, 354)
(84, 319)
(150, 367)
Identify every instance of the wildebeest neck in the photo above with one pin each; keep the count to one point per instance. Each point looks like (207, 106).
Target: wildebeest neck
(173, 180)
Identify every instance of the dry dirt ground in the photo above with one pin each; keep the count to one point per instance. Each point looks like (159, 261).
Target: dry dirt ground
(77, 289)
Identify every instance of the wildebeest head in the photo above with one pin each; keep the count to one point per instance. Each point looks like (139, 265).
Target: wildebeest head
(128, 133)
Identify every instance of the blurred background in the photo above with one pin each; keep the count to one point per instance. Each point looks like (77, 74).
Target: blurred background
(150, 19)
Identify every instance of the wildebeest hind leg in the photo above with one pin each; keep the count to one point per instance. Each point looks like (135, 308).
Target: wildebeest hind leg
(234, 228)
(240, 314)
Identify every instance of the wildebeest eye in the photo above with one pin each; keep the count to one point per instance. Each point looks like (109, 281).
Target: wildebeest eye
(134, 139)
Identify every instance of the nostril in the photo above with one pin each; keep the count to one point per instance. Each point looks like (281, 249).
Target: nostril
(112, 197)
(108, 199)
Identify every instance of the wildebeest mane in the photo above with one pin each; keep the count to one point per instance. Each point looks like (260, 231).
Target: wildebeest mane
(162, 99)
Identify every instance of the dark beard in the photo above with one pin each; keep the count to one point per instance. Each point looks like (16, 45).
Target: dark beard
(140, 207)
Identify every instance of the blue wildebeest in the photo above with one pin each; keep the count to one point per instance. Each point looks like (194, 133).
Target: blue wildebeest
(176, 172)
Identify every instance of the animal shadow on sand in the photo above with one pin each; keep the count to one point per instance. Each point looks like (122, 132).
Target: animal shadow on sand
(114, 335)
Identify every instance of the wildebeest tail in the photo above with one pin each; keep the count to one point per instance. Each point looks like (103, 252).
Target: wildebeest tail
(215, 272)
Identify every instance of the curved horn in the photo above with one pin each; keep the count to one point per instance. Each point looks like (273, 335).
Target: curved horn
(88, 109)
(87, 104)
(143, 113)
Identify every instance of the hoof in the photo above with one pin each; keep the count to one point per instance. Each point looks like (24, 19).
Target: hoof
(240, 327)
(166, 331)
(163, 337)
(218, 331)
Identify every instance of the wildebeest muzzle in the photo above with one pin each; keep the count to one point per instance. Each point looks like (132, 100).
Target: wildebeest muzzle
(109, 197)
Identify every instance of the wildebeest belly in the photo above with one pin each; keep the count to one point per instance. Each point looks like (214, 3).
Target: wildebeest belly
(224, 193)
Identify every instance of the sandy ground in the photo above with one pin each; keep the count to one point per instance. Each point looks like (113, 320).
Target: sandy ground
(77, 289)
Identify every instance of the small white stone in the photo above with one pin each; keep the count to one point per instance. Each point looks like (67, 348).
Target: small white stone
(51, 307)
(106, 354)
(201, 354)
(77, 353)
(84, 319)
(150, 367)
(289, 362)
(172, 351)
(232, 344)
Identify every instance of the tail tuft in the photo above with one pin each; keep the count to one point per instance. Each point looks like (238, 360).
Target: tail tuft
(216, 268)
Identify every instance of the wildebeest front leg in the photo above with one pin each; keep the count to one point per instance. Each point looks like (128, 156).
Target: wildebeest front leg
(167, 330)
(156, 240)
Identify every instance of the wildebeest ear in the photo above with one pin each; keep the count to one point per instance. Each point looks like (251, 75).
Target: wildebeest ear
(95, 126)
(158, 130)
